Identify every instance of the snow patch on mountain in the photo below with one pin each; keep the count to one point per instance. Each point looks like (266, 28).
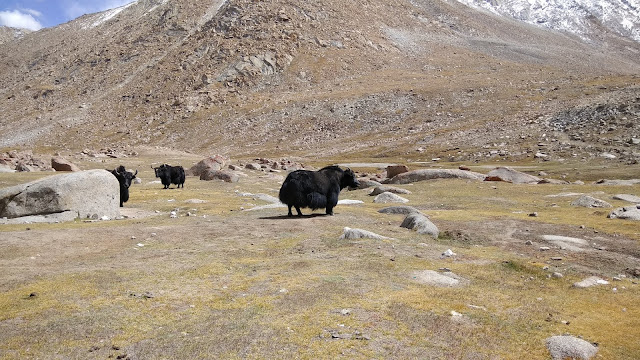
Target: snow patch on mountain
(575, 16)
(105, 16)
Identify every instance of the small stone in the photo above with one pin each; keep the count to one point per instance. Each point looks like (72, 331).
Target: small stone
(448, 253)
(544, 248)
(528, 242)
(533, 214)
(557, 275)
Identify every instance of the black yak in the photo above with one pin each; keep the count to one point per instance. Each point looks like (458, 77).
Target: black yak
(315, 189)
(124, 178)
(170, 175)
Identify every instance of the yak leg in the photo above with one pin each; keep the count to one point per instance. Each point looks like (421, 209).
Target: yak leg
(332, 201)
(298, 210)
(290, 213)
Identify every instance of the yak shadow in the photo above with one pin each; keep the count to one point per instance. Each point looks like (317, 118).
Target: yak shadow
(294, 217)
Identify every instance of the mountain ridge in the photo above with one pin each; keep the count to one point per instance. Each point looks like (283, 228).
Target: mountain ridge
(366, 78)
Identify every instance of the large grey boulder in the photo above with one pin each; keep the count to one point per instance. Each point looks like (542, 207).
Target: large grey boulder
(366, 183)
(628, 198)
(92, 193)
(401, 209)
(618, 182)
(211, 163)
(392, 189)
(349, 233)
(590, 202)
(431, 174)
(507, 174)
(421, 224)
(628, 213)
(223, 175)
(570, 347)
(387, 197)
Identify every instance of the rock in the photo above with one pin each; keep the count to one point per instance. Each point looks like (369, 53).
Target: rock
(380, 189)
(393, 170)
(626, 197)
(34, 219)
(387, 197)
(421, 224)
(448, 253)
(61, 164)
(87, 193)
(553, 181)
(626, 213)
(404, 210)
(215, 162)
(618, 182)
(195, 201)
(367, 183)
(590, 202)
(509, 175)
(350, 233)
(22, 167)
(431, 174)
(253, 166)
(434, 278)
(350, 202)
(590, 281)
(219, 175)
(608, 156)
(6, 169)
(570, 347)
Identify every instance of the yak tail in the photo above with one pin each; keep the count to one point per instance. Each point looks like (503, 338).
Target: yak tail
(317, 200)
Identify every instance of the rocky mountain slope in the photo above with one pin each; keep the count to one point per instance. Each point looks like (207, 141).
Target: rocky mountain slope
(11, 34)
(364, 78)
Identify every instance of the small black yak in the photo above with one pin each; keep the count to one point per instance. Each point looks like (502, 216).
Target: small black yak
(124, 178)
(170, 175)
(315, 189)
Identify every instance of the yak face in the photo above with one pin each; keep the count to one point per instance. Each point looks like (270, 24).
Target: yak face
(124, 177)
(349, 179)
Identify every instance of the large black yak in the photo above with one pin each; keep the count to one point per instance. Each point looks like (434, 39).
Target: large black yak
(170, 175)
(124, 178)
(315, 189)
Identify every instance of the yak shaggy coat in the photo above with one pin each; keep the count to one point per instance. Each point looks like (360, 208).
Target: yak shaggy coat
(315, 189)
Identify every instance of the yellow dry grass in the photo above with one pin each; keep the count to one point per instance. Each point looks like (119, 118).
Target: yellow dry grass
(236, 284)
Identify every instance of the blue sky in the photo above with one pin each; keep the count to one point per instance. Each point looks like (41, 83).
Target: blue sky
(37, 14)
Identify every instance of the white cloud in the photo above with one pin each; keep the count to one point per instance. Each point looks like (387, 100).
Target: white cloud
(19, 19)
(35, 13)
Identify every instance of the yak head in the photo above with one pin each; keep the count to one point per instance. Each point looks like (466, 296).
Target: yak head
(349, 179)
(161, 170)
(124, 177)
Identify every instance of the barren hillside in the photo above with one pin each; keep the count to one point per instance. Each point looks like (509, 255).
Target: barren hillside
(366, 78)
